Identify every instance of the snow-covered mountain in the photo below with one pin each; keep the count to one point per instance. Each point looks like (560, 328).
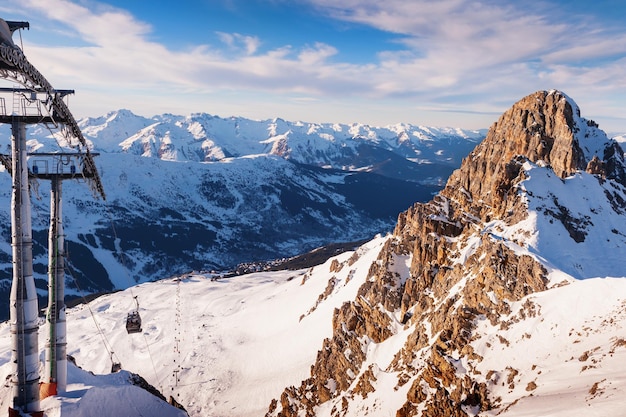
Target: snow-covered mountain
(206, 193)
(503, 295)
(203, 138)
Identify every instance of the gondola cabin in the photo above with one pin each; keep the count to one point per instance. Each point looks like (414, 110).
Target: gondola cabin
(133, 322)
(116, 367)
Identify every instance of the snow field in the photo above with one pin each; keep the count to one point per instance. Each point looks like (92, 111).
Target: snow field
(235, 342)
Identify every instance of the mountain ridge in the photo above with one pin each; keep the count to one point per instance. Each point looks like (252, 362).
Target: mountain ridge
(202, 137)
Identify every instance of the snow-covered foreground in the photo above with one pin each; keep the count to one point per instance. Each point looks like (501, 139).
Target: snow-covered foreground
(235, 342)
(227, 347)
(566, 358)
(105, 395)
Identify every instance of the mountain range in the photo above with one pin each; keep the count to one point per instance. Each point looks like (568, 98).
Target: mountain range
(207, 193)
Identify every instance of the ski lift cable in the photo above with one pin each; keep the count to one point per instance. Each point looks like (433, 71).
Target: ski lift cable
(156, 377)
(105, 341)
(121, 257)
(120, 254)
(130, 288)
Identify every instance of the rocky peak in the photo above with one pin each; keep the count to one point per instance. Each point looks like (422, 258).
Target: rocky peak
(541, 127)
(544, 128)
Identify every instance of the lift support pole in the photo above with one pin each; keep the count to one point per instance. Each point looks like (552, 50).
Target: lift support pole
(23, 302)
(55, 374)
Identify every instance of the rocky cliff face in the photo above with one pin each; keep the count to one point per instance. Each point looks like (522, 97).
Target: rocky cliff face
(449, 267)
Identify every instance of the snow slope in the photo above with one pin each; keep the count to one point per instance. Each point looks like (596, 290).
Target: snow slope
(584, 205)
(237, 342)
(102, 395)
(566, 357)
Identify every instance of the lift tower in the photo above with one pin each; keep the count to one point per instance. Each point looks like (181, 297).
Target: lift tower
(38, 94)
(56, 167)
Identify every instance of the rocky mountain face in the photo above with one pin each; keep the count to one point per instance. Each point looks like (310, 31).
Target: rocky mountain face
(207, 193)
(458, 266)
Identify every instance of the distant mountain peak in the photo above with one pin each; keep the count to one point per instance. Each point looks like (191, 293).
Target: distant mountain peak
(121, 113)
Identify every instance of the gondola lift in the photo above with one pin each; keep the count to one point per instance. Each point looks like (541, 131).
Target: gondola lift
(115, 366)
(133, 320)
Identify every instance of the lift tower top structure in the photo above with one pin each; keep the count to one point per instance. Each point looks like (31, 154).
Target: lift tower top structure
(14, 66)
(50, 109)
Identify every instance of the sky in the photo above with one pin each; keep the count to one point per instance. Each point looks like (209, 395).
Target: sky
(456, 63)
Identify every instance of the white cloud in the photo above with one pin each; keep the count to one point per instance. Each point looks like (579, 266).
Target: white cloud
(478, 48)
(459, 54)
(236, 41)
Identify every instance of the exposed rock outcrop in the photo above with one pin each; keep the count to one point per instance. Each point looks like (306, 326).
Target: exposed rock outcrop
(460, 274)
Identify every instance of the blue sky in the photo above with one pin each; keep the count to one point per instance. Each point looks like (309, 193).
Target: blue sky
(439, 62)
